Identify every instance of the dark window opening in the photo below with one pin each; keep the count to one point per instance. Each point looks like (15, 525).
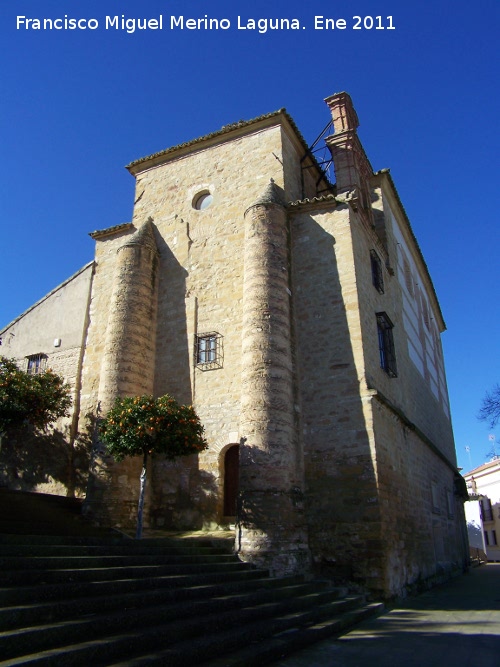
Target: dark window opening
(377, 275)
(486, 509)
(386, 345)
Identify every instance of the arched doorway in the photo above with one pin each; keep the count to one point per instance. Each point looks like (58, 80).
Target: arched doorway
(231, 475)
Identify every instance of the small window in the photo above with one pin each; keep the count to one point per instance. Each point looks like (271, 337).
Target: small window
(386, 345)
(494, 537)
(377, 275)
(435, 497)
(36, 364)
(208, 350)
(408, 278)
(486, 509)
(486, 538)
(202, 200)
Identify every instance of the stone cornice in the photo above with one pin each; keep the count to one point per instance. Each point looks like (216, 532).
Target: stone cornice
(47, 296)
(325, 201)
(411, 426)
(110, 231)
(226, 133)
(226, 129)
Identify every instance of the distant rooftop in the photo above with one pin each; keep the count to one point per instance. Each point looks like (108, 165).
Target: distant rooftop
(484, 467)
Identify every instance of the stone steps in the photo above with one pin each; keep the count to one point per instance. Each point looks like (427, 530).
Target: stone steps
(84, 562)
(196, 596)
(103, 601)
(121, 549)
(270, 649)
(265, 640)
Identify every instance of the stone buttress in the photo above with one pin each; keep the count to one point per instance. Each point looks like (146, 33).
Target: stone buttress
(127, 370)
(270, 527)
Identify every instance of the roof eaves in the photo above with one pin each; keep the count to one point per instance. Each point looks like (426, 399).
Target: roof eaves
(226, 129)
(101, 233)
(483, 467)
(312, 202)
(48, 295)
(387, 174)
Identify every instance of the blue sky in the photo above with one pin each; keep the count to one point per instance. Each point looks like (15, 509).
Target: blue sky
(78, 105)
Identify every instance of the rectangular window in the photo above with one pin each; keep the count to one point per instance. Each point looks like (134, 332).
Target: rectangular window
(486, 509)
(386, 345)
(494, 537)
(377, 275)
(486, 538)
(36, 364)
(208, 350)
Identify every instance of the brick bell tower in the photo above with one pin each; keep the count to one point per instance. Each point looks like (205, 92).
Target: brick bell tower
(353, 170)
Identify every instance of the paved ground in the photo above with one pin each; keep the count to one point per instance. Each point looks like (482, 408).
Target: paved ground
(455, 625)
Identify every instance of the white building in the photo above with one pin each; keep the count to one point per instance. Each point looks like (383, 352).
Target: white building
(483, 509)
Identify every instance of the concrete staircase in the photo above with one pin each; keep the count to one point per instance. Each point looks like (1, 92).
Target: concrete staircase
(110, 600)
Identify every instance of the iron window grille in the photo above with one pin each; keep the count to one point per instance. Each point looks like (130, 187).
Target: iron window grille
(386, 345)
(36, 364)
(377, 275)
(208, 350)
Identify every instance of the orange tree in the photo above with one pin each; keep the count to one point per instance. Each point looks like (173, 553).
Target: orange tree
(34, 399)
(143, 425)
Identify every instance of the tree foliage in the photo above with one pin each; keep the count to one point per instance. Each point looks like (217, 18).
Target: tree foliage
(490, 407)
(35, 399)
(143, 424)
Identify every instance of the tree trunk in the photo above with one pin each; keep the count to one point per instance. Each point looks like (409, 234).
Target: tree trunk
(138, 533)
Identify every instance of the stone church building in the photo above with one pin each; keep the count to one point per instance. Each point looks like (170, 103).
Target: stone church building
(300, 320)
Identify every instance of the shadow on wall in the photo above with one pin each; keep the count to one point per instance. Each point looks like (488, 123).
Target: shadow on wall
(267, 510)
(44, 462)
(172, 364)
(475, 533)
(341, 495)
(183, 497)
(178, 495)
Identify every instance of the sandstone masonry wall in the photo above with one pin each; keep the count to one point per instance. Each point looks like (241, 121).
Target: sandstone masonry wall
(341, 486)
(54, 327)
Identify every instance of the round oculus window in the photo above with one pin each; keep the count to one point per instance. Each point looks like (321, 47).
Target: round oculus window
(202, 200)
